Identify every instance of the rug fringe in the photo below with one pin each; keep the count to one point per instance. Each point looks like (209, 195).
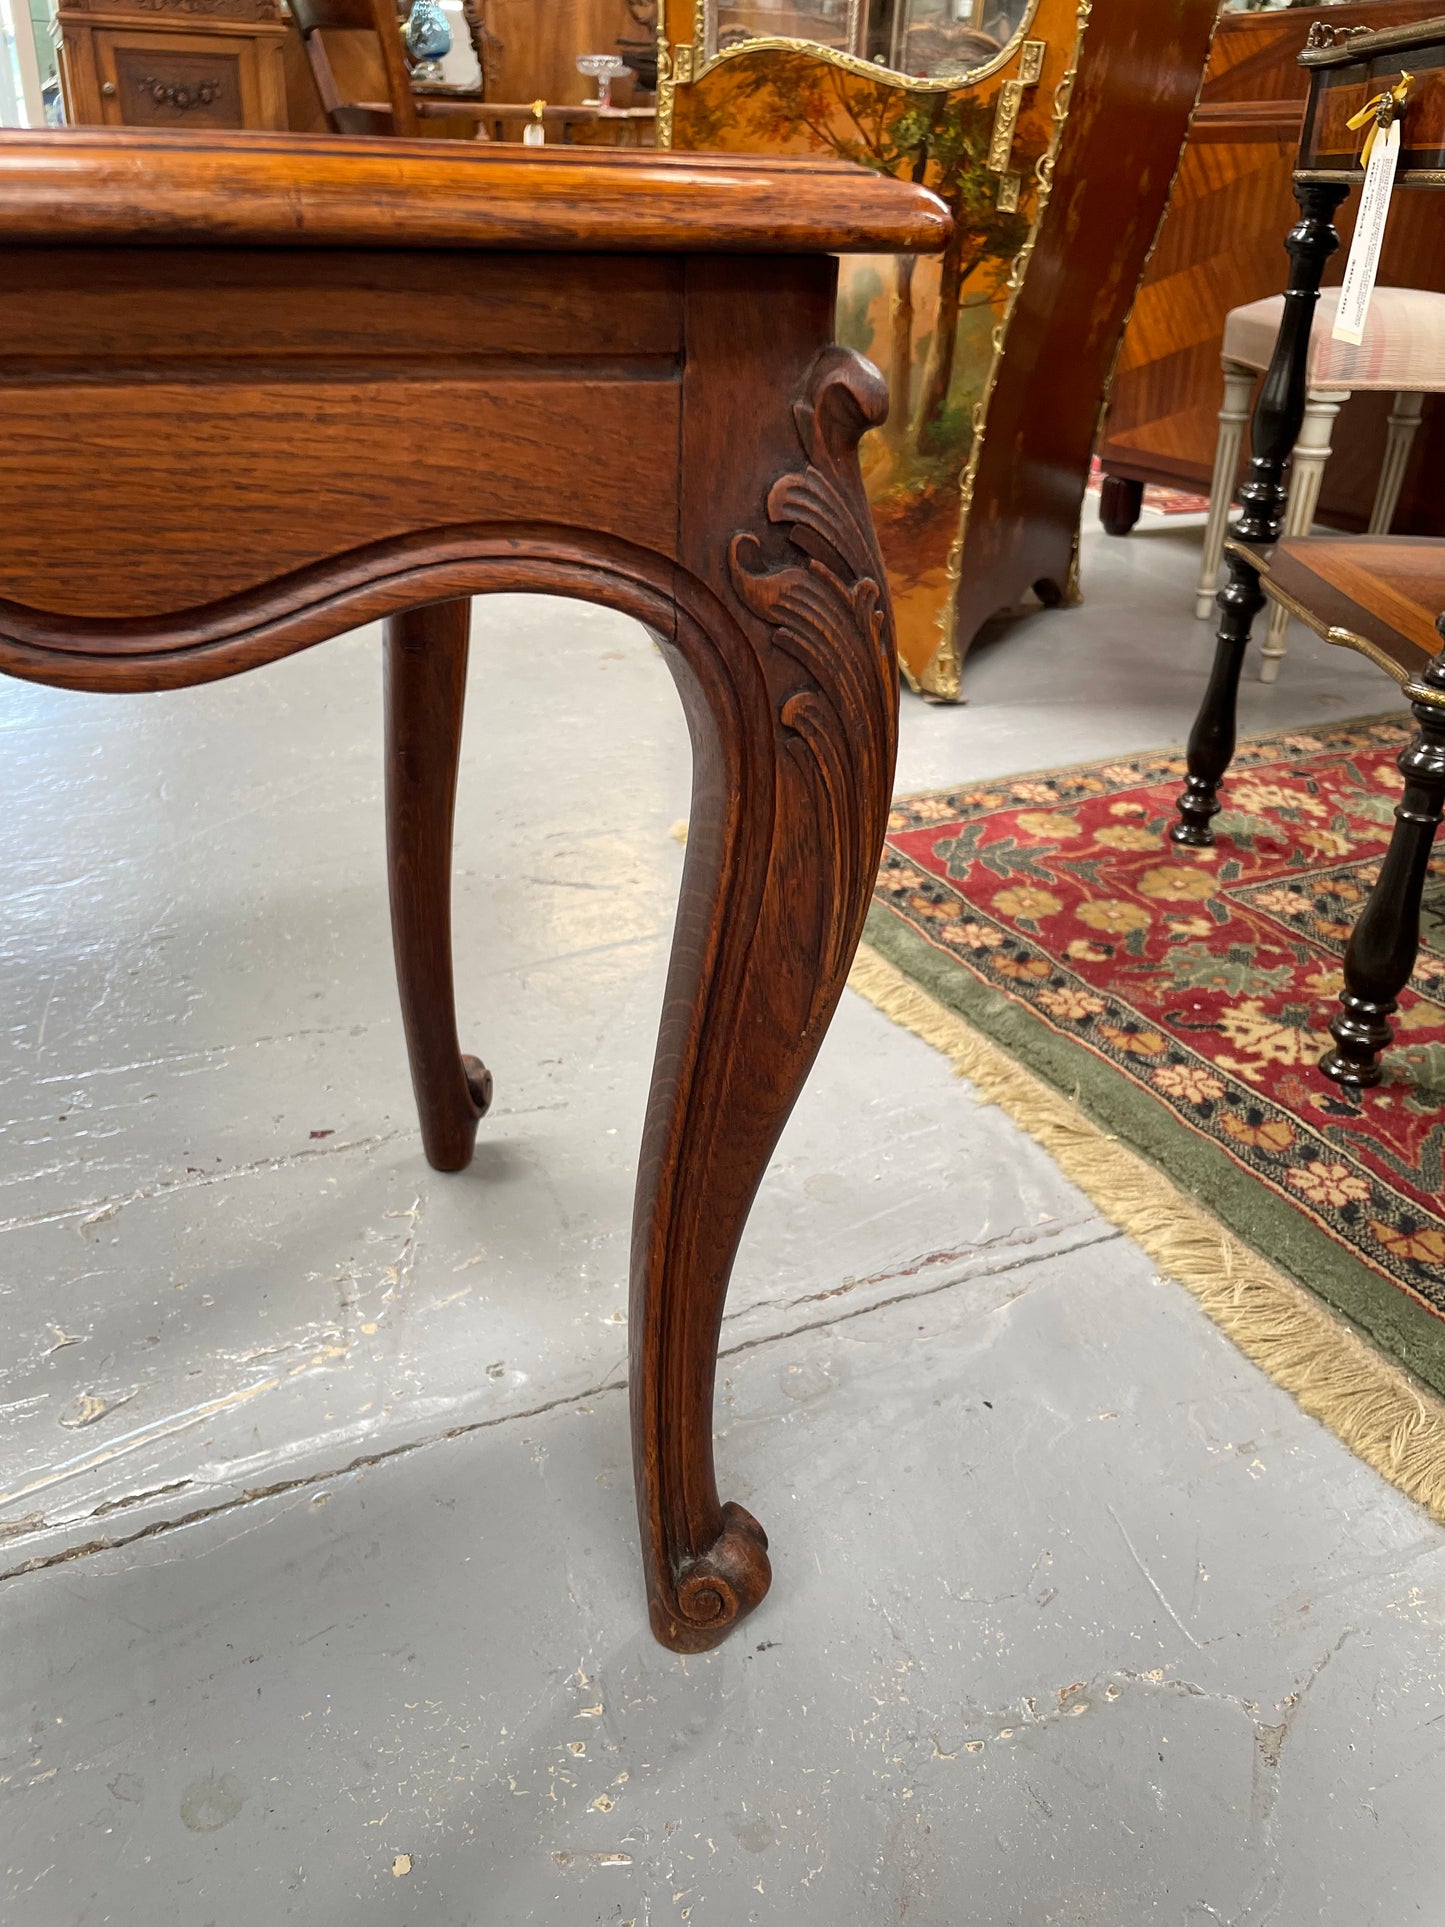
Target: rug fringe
(1372, 1405)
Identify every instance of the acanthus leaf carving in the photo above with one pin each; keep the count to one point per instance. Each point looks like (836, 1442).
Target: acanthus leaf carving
(828, 612)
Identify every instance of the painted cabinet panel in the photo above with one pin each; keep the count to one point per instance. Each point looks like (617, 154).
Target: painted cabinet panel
(1000, 106)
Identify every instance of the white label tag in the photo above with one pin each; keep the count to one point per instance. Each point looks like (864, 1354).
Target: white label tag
(1364, 261)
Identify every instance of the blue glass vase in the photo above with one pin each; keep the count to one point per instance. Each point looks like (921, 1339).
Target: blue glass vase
(427, 35)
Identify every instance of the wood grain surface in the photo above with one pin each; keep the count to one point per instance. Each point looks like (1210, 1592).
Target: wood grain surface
(295, 190)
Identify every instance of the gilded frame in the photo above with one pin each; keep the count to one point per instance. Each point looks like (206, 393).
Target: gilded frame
(680, 63)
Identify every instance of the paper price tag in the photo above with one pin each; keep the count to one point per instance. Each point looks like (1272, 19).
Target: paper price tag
(1364, 261)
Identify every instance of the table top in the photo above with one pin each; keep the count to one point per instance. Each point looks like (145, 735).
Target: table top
(1331, 46)
(307, 190)
(1378, 594)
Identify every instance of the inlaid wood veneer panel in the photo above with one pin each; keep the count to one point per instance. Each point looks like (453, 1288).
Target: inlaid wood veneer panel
(1400, 583)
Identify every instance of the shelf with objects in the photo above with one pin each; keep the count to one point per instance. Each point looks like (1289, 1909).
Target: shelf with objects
(591, 64)
(371, 71)
(1054, 148)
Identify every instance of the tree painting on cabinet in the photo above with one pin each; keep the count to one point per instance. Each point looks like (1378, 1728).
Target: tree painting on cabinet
(932, 324)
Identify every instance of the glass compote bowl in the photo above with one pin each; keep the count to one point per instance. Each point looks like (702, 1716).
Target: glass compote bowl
(604, 69)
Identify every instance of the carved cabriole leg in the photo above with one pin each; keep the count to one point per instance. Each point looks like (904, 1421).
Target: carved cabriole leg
(785, 661)
(1233, 419)
(1386, 940)
(425, 681)
(1275, 429)
(1306, 477)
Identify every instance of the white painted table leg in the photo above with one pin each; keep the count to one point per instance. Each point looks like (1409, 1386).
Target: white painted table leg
(1233, 417)
(1306, 473)
(1404, 420)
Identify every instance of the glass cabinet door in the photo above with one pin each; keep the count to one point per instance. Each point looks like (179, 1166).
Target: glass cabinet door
(924, 39)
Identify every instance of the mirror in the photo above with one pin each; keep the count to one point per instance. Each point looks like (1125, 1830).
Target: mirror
(923, 39)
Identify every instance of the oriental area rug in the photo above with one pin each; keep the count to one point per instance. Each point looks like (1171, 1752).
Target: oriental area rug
(1153, 1016)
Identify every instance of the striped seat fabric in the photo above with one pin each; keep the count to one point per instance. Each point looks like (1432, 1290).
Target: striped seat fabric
(1403, 350)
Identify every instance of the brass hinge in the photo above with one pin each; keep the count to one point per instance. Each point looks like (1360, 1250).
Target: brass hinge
(1010, 100)
(1005, 120)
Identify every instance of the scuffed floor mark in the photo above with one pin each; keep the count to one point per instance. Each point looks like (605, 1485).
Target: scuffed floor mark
(95, 1213)
(281, 1488)
(140, 1498)
(91, 1406)
(212, 1802)
(143, 1435)
(1150, 1580)
(27, 1522)
(1026, 1260)
(399, 1275)
(1270, 1737)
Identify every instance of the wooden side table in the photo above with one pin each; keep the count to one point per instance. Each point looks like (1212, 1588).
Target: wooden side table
(259, 391)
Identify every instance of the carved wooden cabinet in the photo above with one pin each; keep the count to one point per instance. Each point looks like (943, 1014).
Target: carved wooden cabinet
(172, 63)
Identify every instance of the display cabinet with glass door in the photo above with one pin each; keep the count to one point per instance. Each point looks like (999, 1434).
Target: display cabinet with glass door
(919, 37)
(977, 480)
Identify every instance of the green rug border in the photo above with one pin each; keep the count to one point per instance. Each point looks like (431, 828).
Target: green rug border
(1204, 1171)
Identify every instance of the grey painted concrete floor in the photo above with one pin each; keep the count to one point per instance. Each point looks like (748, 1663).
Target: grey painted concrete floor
(318, 1590)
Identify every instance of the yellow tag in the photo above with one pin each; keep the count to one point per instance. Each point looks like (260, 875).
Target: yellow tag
(1396, 96)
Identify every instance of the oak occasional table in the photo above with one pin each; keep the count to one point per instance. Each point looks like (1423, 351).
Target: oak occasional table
(258, 389)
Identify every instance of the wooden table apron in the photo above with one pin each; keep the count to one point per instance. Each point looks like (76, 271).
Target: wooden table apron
(214, 457)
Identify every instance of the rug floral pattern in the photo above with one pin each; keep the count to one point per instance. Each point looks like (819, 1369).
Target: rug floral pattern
(1208, 978)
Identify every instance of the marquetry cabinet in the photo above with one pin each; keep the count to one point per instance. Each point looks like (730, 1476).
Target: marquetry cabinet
(172, 63)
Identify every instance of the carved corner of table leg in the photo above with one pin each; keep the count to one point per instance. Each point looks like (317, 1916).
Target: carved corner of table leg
(834, 664)
(718, 1588)
(842, 397)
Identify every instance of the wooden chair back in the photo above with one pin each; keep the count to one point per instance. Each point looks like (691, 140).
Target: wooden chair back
(357, 59)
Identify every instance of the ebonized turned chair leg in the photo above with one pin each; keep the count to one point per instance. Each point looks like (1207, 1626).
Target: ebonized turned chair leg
(1211, 741)
(793, 710)
(1386, 940)
(1273, 433)
(425, 683)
